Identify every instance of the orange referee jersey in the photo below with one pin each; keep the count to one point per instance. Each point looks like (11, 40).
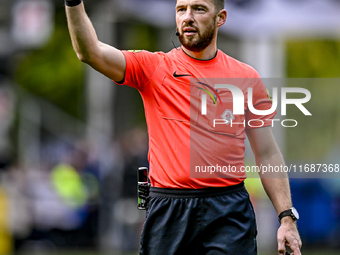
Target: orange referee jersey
(181, 139)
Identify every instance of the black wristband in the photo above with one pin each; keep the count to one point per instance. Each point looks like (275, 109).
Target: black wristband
(71, 3)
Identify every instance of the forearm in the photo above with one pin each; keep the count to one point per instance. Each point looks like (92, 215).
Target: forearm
(278, 191)
(83, 35)
(102, 57)
(268, 156)
(276, 185)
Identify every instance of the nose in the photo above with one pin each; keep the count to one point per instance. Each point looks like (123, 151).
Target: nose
(188, 18)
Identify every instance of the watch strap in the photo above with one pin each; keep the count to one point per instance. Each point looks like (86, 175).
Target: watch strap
(71, 3)
(287, 213)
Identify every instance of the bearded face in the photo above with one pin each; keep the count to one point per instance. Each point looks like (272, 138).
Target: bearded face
(195, 39)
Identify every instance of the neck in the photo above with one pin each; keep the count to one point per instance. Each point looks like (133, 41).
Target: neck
(207, 53)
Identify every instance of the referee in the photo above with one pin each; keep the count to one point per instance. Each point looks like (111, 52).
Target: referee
(195, 215)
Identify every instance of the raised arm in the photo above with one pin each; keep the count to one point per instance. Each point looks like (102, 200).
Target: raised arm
(104, 58)
(268, 154)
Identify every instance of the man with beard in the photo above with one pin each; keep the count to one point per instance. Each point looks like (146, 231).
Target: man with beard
(194, 215)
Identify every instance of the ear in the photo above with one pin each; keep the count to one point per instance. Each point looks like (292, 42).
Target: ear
(221, 17)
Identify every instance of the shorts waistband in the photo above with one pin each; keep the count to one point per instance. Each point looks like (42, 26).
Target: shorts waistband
(195, 193)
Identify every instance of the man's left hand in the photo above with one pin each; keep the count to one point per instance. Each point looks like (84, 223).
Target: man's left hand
(288, 234)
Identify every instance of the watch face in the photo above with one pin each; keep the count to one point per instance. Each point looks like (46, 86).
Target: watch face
(295, 213)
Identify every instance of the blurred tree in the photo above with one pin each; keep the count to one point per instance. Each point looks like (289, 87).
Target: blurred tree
(54, 71)
(315, 135)
(133, 35)
(313, 59)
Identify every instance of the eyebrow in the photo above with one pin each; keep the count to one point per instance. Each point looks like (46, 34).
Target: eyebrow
(193, 6)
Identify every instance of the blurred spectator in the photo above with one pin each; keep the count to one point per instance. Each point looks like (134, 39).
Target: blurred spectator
(135, 148)
(127, 220)
(6, 119)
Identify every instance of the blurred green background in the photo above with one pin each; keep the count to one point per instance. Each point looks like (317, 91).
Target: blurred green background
(60, 112)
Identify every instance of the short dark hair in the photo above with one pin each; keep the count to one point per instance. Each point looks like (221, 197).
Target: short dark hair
(219, 4)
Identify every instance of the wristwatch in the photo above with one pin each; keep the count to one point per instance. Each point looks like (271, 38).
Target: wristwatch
(292, 212)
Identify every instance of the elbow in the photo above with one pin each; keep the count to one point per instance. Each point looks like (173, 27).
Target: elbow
(84, 55)
(85, 58)
(87, 53)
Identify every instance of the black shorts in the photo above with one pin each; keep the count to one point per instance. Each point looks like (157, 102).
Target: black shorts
(205, 221)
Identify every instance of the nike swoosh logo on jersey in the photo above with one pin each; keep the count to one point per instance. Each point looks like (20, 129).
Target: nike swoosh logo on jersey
(180, 75)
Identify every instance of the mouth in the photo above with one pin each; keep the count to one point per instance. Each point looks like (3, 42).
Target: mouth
(189, 31)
